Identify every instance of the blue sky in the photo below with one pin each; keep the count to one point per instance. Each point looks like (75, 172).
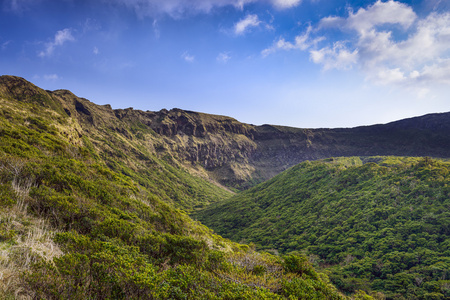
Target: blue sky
(301, 63)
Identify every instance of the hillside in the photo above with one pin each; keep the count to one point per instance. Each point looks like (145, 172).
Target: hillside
(125, 147)
(220, 149)
(239, 155)
(89, 211)
(376, 223)
(93, 201)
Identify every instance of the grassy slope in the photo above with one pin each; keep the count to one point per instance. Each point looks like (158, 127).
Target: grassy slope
(89, 212)
(382, 226)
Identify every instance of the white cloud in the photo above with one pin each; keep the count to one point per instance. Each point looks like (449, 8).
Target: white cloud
(427, 44)
(337, 57)
(188, 57)
(95, 51)
(223, 57)
(302, 42)
(91, 25)
(281, 44)
(387, 41)
(390, 12)
(389, 76)
(60, 38)
(285, 3)
(438, 72)
(179, 8)
(243, 25)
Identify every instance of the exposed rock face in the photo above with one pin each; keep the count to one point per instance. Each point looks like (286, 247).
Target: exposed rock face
(422, 136)
(234, 153)
(221, 145)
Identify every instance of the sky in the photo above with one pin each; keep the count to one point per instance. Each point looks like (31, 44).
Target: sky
(299, 63)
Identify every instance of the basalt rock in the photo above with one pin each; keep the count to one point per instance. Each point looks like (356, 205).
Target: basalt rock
(231, 152)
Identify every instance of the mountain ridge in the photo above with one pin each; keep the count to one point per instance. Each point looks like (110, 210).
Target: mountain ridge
(119, 184)
(236, 154)
(88, 210)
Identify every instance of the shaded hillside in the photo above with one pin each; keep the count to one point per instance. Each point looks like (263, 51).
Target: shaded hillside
(88, 211)
(221, 149)
(280, 147)
(240, 155)
(383, 225)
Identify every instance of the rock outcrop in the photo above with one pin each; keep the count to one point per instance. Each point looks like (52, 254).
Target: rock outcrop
(233, 153)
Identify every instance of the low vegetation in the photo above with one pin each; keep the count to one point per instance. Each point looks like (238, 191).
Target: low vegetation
(378, 224)
(93, 214)
(94, 204)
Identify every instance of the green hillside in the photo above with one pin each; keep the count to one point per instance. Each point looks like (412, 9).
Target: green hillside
(377, 224)
(60, 121)
(88, 210)
(218, 149)
(94, 204)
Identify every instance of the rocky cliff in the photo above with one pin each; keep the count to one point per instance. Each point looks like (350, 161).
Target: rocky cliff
(229, 152)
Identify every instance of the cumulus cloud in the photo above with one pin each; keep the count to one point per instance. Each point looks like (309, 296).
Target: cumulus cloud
(336, 57)
(179, 8)
(438, 72)
(415, 58)
(386, 40)
(243, 25)
(364, 20)
(60, 38)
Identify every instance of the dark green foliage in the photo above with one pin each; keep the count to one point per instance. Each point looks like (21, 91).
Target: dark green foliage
(308, 285)
(299, 265)
(116, 207)
(93, 269)
(377, 226)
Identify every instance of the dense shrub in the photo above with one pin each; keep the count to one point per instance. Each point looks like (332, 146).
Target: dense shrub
(380, 227)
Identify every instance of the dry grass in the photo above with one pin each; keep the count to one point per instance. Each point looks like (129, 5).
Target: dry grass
(32, 241)
(251, 259)
(24, 239)
(22, 188)
(254, 270)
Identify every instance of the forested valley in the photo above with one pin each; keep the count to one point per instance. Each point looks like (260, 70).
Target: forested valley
(97, 203)
(376, 223)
